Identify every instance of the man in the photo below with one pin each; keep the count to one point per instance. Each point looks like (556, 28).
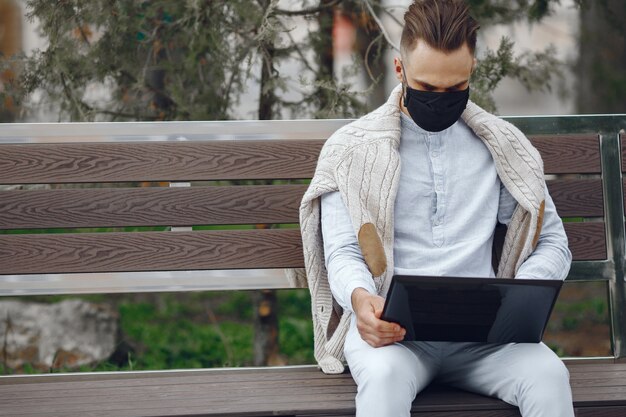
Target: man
(417, 187)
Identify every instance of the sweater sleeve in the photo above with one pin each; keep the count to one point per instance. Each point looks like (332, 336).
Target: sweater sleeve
(552, 258)
(342, 255)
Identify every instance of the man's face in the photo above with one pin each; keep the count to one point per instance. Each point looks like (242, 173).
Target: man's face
(429, 69)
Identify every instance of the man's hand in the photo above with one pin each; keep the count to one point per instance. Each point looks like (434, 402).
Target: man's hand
(373, 330)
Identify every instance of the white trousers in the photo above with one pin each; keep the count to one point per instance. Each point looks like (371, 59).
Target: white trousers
(527, 375)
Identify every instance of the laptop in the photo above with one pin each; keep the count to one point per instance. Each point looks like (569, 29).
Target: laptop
(490, 310)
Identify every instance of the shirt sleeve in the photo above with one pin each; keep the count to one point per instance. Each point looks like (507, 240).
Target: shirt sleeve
(342, 255)
(552, 258)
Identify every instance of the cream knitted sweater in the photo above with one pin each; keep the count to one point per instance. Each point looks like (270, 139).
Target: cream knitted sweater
(362, 162)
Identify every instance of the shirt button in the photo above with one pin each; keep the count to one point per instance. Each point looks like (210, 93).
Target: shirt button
(434, 154)
(439, 188)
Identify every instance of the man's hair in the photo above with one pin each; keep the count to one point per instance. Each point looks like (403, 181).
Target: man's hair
(443, 24)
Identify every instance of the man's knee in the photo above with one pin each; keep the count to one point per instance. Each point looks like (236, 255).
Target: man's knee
(549, 380)
(388, 371)
(552, 370)
(547, 392)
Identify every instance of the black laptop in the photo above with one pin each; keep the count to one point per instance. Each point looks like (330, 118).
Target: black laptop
(490, 310)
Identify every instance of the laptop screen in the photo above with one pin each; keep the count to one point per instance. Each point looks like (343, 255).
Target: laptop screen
(492, 310)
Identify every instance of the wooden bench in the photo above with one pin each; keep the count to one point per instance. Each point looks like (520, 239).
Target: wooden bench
(93, 168)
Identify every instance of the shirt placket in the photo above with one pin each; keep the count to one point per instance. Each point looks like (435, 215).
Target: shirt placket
(435, 156)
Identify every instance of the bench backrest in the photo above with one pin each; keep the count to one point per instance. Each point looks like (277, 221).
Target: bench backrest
(164, 197)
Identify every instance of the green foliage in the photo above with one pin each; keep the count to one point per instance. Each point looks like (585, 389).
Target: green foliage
(161, 60)
(533, 70)
(164, 60)
(177, 332)
(211, 329)
(295, 326)
(507, 11)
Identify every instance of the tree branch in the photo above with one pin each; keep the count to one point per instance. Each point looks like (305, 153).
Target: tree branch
(300, 53)
(81, 106)
(368, 5)
(309, 11)
(70, 95)
(367, 53)
(391, 15)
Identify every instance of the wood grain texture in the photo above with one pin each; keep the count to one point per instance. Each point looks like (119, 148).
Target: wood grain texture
(153, 206)
(215, 160)
(587, 241)
(164, 251)
(577, 197)
(296, 391)
(117, 207)
(569, 154)
(616, 411)
(150, 251)
(157, 161)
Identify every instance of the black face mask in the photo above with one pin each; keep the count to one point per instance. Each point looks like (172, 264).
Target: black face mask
(433, 111)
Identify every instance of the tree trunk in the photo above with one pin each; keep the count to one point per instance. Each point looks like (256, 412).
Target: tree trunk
(601, 68)
(323, 49)
(266, 349)
(10, 44)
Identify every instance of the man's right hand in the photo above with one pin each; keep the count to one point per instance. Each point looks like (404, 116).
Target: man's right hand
(368, 309)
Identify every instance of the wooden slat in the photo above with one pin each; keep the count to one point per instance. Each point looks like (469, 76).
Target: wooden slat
(157, 161)
(256, 392)
(150, 251)
(155, 251)
(117, 207)
(213, 160)
(616, 411)
(569, 154)
(113, 207)
(577, 198)
(586, 240)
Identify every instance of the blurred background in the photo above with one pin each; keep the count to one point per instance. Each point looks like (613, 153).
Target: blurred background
(133, 60)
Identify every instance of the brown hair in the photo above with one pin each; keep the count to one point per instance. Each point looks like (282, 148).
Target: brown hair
(443, 24)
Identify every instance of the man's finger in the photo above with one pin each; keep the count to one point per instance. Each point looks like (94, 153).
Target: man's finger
(376, 341)
(381, 328)
(386, 327)
(374, 321)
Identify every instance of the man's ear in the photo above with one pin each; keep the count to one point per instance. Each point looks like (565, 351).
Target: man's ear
(397, 66)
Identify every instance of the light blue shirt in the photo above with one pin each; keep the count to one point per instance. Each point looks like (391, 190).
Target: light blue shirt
(449, 201)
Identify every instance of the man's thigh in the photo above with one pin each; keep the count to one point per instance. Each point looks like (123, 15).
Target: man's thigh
(415, 363)
(498, 370)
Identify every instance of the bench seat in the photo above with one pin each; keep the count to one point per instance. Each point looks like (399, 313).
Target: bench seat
(599, 389)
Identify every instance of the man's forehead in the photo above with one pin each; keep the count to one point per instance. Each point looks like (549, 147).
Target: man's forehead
(437, 68)
(423, 54)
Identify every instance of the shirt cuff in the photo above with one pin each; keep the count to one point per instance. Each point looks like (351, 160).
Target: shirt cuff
(353, 285)
(542, 267)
